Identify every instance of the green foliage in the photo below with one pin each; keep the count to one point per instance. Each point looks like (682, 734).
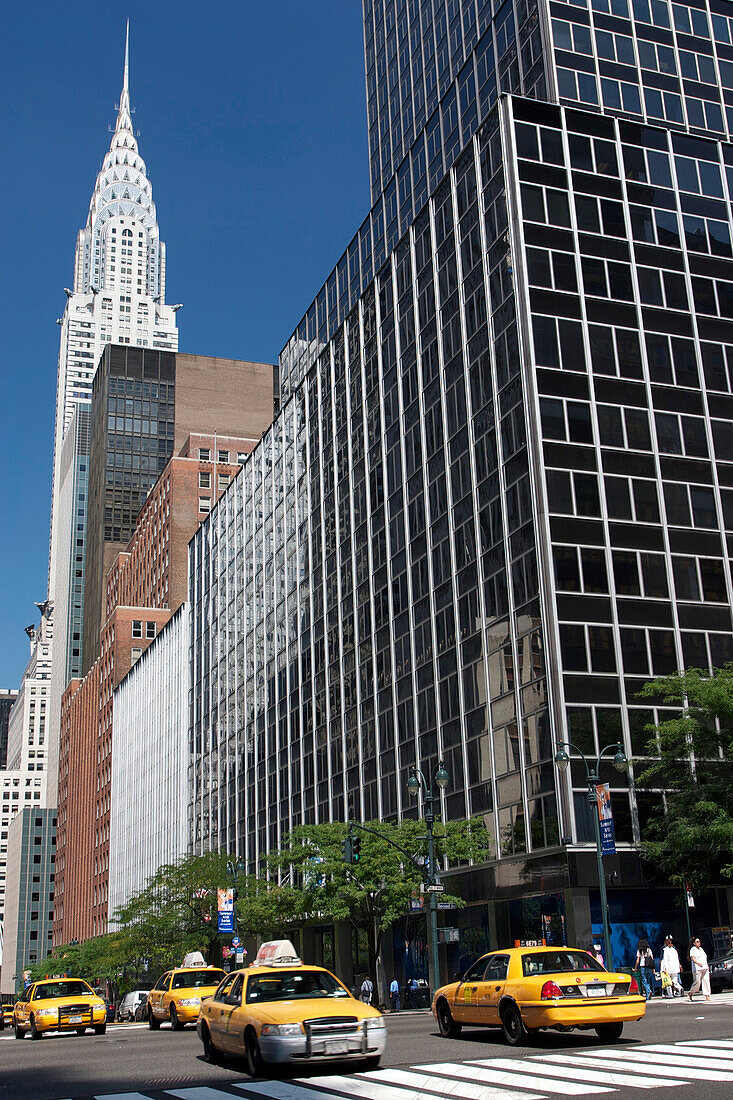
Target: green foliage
(690, 757)
(377, 891)
(100, 958)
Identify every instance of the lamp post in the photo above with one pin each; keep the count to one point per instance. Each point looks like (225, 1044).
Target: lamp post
(621, 763)
(415, 783)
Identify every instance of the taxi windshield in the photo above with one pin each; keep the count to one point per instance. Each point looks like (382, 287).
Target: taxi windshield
(62, 989)
(558, 962)
(288, 985)
(196, 979)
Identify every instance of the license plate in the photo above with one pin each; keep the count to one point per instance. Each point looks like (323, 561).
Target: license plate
(75, 1019)
(336, 1046)
(596, 990)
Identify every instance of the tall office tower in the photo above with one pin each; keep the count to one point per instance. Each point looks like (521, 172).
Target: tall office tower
(118, 296)
(28, 722)
(499, 494)
(7, 698)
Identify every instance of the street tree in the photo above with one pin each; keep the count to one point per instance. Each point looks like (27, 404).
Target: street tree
(689, 757)
(377, 891)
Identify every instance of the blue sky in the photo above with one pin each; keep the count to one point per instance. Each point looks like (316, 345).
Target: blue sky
(253, 128)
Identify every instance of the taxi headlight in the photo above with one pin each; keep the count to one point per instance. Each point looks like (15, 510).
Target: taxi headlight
(190, 1001)
(373, 1022)
(281, 1029)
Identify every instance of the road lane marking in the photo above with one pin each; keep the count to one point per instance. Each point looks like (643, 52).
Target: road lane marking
(123, 1096)
(479, 1069)
(357, 1086)
(565, 1065)
(445, 1086)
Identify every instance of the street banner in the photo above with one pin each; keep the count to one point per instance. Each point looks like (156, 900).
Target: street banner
(225, 910)
(690, 898)
(605, 818)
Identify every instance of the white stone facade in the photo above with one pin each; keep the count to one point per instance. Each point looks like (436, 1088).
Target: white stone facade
(28, 724)
(150, 763)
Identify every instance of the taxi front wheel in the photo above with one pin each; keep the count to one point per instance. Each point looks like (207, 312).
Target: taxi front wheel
(153, 1024)
(449, 1029)
(35, 1033)
(175, 1022)
(609, 1033)
(252, 1053)
(19, 1032)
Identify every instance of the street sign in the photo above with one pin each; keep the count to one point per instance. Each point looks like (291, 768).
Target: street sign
(446, 905)
(236, 941)
(436, 888)
(239, 957)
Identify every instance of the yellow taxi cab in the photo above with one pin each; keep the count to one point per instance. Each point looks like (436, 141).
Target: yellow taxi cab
(6, 1016)
(525, 989)
(279, 1010)
(59, 1004)
(178, 994)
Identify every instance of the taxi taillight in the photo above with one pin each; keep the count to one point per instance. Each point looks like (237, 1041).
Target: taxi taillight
(549, 990)
(634, 986)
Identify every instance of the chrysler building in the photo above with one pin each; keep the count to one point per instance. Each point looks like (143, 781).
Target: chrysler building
(118, 296)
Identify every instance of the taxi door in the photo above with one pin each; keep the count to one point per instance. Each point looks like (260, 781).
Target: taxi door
(491, 989)
(21, 1009)
(233, 1033)
(155, 996)
(217, 1016)
(465, 1005)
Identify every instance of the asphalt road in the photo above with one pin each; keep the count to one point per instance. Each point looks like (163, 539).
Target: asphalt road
(132, 1063)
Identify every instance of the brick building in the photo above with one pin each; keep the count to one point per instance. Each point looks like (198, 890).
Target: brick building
(145, 585)
(145, 405)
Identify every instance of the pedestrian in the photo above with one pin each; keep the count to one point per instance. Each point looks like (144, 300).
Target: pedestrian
(670, 965)
(595, 952)
(366, 991)
(412, 993)
(645, 964)
(700, 971)
(394, 994)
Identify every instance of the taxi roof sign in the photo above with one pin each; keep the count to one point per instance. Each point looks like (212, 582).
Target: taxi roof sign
(277, 953)
(194, 958)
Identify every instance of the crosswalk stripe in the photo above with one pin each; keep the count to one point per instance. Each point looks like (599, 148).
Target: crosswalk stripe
(203, 1092)
(689, 1055)
(480, 1071)
(564, 1065)
(445, 1086)
(726, 1044)
(642, 1063)
(356, 1086)
(123, 1096)
(284, 1090)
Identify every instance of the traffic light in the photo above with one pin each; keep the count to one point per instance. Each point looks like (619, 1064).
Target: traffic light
(347, 849)
(355, 849)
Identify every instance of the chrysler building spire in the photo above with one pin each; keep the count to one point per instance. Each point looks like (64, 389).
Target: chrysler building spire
(118, 297)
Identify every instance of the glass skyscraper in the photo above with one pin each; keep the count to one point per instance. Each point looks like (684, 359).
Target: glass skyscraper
(498, 496)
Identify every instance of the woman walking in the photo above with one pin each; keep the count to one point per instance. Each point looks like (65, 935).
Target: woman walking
(700, 970)
(670, 965)
(645, 964)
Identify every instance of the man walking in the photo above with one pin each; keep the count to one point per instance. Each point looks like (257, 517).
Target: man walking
(367, 989)
(670, 965)
(394, 994)
(700, 971)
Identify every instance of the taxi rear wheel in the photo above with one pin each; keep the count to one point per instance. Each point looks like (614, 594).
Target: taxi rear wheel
(449, 1029)
(35, 1033)
(175, 1022)
(153, 1024)
(513, 1026)
(609, 1033)
(99, 1029)
(252, 1053)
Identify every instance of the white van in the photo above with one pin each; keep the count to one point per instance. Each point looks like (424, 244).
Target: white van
(130, 1003)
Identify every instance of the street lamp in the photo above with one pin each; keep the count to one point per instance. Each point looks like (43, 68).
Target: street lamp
(415, 783)
(620, 763)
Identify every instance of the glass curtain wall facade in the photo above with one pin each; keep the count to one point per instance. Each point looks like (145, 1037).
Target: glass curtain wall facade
(497, 498)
